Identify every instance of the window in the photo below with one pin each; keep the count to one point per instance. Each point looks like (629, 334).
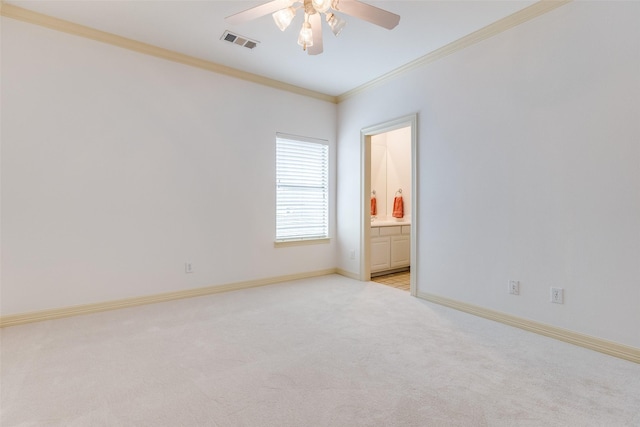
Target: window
(302, 188)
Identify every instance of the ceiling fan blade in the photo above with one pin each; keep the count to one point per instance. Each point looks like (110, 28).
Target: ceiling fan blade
(316, 27)
(257, 12)
(369, 13)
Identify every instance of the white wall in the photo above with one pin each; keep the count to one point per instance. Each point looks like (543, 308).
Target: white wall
(528, 163)
(118, 167)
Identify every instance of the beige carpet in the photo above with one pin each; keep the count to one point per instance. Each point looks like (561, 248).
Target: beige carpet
(326, 351)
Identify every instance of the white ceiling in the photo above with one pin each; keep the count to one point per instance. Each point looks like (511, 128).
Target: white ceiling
(361, 53)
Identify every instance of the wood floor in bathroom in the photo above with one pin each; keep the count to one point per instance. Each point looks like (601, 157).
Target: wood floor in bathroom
(396, 280)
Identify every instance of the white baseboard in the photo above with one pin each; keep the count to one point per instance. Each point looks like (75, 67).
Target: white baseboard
(348, 274)
(603, 346)
(607, 347)
(56, 313)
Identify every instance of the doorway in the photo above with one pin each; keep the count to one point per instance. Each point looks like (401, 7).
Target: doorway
(388, 222)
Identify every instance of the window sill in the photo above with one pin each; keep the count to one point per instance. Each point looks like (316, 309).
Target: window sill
(302, 242)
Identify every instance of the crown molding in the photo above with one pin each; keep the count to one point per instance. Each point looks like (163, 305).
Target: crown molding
(592, 343)
(31, 17)
(524, 15)
(491, 30)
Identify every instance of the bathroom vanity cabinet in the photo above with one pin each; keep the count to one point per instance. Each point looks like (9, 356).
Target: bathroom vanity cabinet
(390, 247)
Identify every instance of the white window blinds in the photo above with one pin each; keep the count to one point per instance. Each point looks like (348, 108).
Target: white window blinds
(302, 189)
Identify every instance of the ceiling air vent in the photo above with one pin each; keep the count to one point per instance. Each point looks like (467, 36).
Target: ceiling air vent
(239, 40)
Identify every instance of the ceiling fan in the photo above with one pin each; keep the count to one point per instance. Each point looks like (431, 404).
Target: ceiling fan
(310, 37)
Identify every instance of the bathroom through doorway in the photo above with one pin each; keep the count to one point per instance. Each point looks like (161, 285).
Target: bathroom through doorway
(389, 220)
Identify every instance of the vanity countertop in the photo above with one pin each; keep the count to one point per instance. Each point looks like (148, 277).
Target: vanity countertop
(389, 222)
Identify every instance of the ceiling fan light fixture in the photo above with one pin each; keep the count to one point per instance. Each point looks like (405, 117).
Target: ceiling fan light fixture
(336, 23)
(305, 39)
(283, 17)
(284, 11)
(321, 5)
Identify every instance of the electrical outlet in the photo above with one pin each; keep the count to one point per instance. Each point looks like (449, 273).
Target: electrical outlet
(514, 287)
(188, 267)
(557, 295)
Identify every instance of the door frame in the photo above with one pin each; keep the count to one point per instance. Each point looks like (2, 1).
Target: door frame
(365, 192)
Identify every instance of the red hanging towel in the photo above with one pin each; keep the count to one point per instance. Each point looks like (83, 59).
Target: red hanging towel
(398, 207)
(374, 206)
